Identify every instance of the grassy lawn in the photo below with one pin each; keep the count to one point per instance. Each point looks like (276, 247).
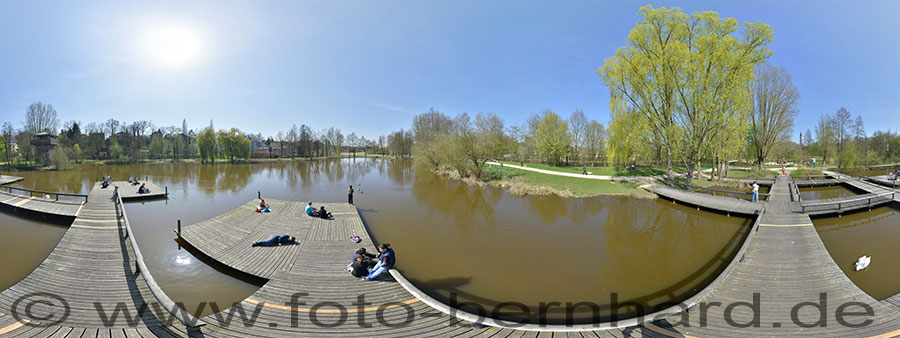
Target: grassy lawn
(605, 171)
(802, 172)
(577, 186)
(756, 173)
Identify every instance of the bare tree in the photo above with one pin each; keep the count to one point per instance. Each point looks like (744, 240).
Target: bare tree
(41, 118)
(594, 138)
(577, 128)
(842, 123)
(111, 127)
(774, 98)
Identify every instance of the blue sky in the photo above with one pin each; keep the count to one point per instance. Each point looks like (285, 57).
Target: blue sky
(369, 66)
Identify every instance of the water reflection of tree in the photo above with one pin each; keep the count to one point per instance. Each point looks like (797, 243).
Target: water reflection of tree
(690, 247)
(553, 208)
(464, 204)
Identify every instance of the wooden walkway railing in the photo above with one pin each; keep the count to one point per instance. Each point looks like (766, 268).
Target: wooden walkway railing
(183, 316)
(31, 193)
(839, 203)
(726, 192)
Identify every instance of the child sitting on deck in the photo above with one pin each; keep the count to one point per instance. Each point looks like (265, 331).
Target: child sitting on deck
(276, 240)
(324, 214)
(263, 207)
(143, 190)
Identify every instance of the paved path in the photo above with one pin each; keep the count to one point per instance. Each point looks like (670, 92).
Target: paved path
(786, 264)
(589, 176)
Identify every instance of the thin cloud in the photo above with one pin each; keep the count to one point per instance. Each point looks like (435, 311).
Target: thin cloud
(394, 107)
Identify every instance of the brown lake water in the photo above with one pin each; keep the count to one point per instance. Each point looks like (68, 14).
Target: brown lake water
(853, 235)
(456, 241)
(818, 193)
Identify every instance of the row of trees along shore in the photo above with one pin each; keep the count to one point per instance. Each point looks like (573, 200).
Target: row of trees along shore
(124, 142)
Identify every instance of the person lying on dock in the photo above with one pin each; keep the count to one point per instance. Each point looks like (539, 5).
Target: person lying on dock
(386, 261)
(276, 240)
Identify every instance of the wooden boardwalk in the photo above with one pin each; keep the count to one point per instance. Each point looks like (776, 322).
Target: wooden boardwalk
(92, 267)
(707, 201)
(786, 264)
(882, 180)
(315, 272)
(817, 182)
(6, 179)
(129, 192)
(40, 205)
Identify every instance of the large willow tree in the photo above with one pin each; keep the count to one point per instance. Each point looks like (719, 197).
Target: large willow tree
(687, 78)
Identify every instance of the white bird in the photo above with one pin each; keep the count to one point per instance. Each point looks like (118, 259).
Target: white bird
(863, 262)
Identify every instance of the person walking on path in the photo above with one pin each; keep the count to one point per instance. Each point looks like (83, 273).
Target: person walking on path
(350, 195)
(583, 169)
(755, 192)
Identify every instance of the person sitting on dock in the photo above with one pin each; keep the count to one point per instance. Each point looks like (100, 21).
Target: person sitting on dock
(360, 268)
(386, 261)
(311, 211)
(143, 189)
(276, 240)
(263, 207)
(324, 214)
(361, 252)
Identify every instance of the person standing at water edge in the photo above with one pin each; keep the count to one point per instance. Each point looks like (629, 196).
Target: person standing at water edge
(350, 195)
(755, 192)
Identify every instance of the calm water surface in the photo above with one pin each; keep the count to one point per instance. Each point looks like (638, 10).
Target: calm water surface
(818, 193)
(456, 241)
(853, 235)
(24, 245)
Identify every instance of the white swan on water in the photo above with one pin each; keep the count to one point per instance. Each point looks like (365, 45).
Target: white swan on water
(863, 262)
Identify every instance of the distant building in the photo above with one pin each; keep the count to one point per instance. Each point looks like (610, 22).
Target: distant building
(44, 144)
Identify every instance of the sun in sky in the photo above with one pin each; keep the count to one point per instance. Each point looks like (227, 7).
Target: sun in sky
(171, 45)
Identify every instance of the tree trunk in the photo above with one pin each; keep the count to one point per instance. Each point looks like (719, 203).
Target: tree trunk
(669, 169)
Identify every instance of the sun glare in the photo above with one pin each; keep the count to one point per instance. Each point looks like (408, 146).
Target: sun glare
(171, 46)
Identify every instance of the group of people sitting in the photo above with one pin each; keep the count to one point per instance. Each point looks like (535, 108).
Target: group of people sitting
(262, 207)
(367, 266)
(320, 212)
(893, 175)
(276, 240)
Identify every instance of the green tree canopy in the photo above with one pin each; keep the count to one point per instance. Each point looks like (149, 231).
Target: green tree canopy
(552, 137)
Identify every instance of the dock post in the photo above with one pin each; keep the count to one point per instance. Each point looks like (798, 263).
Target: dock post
(179, 228)
(258, 195)
(167, 191)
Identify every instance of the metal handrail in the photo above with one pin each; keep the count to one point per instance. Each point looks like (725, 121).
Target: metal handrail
(868, 199)
(183, 316)
(57, 194)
